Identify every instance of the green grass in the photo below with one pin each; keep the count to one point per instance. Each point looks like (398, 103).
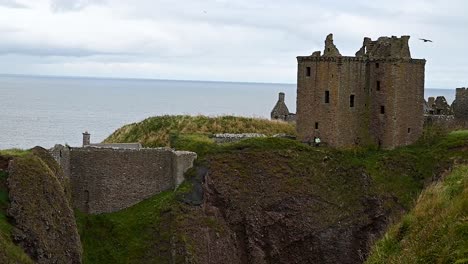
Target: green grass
(435, 230)
(13, 152)
(292, 169)
(158, 131)
(131, 235)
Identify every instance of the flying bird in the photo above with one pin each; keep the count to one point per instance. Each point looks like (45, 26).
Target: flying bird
(426, 40)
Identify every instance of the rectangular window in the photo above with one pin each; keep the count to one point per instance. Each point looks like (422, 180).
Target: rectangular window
(316, 125)
(308, 71)
(351, 100)
(327, 97)
(377, 65)
(409, 130)
(382, 109)
(378, 85)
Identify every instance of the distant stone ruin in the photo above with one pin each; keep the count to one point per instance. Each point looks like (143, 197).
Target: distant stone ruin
(460, 105)
(109, 177)
(438, 111)
(281, 111)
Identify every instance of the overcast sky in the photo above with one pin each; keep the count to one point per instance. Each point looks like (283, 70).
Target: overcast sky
(225, 40)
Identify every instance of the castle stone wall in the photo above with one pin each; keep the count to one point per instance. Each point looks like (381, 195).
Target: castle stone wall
(106, 180)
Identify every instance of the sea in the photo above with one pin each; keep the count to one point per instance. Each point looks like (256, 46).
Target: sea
(44, 110)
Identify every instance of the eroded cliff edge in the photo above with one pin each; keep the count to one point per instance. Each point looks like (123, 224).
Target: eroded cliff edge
(43, 221)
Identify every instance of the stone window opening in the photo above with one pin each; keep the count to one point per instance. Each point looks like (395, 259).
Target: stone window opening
(308, 71)
(409, 130)
(316, 125)
(382, 109)
(377, 65)
(378, 85)
(351, 100)
(327, 97)
(60, 153)
(328, 49)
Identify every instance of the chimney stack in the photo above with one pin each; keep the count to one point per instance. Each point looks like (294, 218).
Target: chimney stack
(86, 139)
(281, 97)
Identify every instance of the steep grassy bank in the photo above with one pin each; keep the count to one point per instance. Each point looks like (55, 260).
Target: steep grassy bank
(35, 213)
(435, 230)
(9, 252)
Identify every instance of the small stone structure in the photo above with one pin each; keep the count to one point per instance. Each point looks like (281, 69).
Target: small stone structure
(87, 143)
(437, 111)
(460, 105)
(229, 138)
(107, 179)
(439, 106)
(281, 111)
(375, 97)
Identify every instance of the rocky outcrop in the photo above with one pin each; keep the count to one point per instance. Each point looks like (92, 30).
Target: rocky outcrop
(44, 224)
(260, 215)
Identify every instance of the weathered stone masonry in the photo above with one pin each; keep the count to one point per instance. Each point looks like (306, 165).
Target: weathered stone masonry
(109, 179)
(375, 97)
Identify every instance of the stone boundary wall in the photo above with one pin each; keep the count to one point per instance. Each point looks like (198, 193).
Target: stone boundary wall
(105, 180)
(440, 120)
(228, 138)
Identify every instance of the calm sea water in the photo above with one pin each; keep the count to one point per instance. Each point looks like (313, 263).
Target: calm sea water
(48, 110)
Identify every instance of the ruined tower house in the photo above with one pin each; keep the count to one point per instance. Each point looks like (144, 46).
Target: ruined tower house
(375, 97)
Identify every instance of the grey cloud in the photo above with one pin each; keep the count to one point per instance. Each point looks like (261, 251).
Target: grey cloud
(50, 51)
(11, 4)
(73, 5)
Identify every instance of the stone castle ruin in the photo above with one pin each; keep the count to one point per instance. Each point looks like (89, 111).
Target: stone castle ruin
(374, 97)
(109, 177)
(460, 105)
(438, 111)
(281, 111)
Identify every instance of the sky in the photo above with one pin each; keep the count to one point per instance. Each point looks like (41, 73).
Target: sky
(220, 40)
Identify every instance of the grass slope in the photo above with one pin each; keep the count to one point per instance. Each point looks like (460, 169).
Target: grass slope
(159, 131)
(436, 229)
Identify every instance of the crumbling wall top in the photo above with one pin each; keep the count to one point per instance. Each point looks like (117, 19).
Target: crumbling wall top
(330, 49)
(385, 47)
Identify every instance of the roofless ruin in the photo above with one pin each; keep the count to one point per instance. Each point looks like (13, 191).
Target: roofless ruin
(375, 97)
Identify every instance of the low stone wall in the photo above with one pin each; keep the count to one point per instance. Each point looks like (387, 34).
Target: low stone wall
(228, 138)
(440, 120)
(106, 180)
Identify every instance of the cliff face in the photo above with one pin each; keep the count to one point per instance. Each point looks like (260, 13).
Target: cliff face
(287, 207)
(44, 224)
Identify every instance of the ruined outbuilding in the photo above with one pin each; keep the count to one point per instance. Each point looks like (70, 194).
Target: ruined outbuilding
(281, 111)
(439, 106)
(460, 105)
(375, 97)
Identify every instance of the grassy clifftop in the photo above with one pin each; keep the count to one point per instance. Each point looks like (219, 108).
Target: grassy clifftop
(158, 131)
